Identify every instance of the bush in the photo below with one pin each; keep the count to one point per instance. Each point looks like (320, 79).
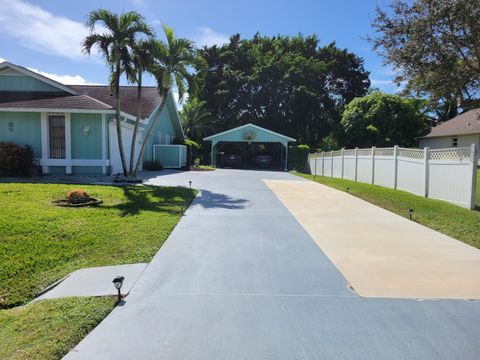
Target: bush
(152, 165)
(298, 157)
(15, 160)
(78, 196)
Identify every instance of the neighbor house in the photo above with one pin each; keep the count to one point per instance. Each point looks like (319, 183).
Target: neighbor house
(461, 131)
(72, 128)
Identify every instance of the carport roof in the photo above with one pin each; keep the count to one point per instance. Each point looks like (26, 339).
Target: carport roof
(260, 135)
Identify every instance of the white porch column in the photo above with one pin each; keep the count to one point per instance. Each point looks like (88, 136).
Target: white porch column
(44, 138)
(68, 143)
(104, 143)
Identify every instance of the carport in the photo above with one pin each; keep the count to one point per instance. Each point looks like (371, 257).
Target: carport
(248, 145)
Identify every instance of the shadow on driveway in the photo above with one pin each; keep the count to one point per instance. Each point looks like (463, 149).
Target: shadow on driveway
(211, 200)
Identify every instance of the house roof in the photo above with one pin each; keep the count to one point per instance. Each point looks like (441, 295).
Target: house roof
(464, 124)
(82, 97)
(128, 97)
(49, 100)
(221, 135)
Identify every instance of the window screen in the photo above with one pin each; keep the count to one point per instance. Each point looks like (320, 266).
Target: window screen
(56, 127)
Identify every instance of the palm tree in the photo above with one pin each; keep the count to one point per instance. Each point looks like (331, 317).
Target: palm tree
(141, 61)
(115, 43)
(193, 116)
(172, 60)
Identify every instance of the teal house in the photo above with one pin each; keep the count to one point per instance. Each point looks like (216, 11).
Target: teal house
(72, 128)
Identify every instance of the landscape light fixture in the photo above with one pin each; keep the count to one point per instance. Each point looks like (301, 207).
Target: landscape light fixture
(410, 213)
(348, 189)
(190, 183)
(118, 282)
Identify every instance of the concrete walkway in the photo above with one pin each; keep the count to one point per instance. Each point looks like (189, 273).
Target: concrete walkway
(380, 253)
(240, 278)
(95, 281)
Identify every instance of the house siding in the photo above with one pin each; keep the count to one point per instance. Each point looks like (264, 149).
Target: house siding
(22, 128)
(164, 125)
(90, 146)
(446, 141)
(24, 83)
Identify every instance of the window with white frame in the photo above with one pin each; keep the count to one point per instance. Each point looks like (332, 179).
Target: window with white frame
(56, 134)
(454, 142)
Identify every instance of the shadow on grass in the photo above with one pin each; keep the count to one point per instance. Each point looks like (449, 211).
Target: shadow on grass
(211, 200)
(152, 198)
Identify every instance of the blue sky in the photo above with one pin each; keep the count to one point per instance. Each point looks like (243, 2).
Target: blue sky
(45, 34)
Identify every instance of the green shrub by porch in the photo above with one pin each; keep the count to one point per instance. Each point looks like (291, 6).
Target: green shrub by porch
(298, 157)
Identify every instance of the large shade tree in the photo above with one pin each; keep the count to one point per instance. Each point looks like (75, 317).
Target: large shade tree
(380, 119)
(435, 47)
(287, 84)
(173, 62)
(115, 41)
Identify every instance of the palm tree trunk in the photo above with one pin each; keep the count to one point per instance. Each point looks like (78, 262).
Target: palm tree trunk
(117, 115)
(150, 129)
(137, 121)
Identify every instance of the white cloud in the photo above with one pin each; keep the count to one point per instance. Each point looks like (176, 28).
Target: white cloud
(208, 37)
(2, 60)
(40, 30)
(388, 86)
(64, 79)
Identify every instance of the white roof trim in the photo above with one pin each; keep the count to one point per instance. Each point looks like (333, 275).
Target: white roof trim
(211, 137)
(37, 76)
(85, 111)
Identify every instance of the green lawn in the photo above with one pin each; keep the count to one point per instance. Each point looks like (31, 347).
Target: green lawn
(452, 220)
(41, 243)
(49, 329)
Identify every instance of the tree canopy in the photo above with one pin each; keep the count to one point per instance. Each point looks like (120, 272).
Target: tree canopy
(380, 119)
(435, 47)
(287, 84)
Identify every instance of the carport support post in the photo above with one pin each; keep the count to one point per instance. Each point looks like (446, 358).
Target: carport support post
(286, 155)
(212, 153)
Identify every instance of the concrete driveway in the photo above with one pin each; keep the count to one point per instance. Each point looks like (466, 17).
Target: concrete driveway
(240, 278)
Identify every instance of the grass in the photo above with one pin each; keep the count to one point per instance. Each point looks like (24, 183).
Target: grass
(452, 220)
(49, 329)
(41, 243)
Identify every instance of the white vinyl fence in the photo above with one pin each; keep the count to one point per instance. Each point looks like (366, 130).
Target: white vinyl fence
(445, 174)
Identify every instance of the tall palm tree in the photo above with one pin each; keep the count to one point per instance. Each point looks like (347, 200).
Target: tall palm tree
(172, 60)
(193, 116)
(115, 43)
(141, 61)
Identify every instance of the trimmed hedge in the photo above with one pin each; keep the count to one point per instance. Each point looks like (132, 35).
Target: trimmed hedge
(298, 157)
(15, 160)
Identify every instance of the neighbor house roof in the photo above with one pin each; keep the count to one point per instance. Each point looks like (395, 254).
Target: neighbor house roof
(128, 97)
(464, 124)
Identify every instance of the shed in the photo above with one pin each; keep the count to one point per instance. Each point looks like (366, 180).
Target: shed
(250, 146)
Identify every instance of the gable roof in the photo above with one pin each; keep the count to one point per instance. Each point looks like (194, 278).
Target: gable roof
(464, 124)
(81, 97)
(128, 97)
(33, 74)
(49, 100)
(249, 125)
